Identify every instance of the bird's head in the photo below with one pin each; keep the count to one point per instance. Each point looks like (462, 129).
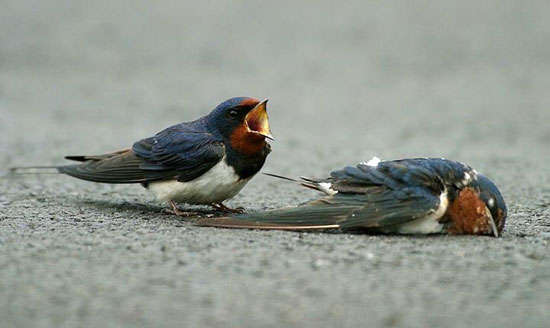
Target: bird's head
(478, 207)
(243, 122)
(494, 202)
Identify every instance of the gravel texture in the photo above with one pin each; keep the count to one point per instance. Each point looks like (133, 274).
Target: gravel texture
(462, 80)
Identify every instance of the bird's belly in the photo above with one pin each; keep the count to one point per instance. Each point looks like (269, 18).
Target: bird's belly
(426, 225)
(218, 184)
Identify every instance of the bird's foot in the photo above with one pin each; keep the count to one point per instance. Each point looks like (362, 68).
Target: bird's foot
(222, 208)
(176, 211)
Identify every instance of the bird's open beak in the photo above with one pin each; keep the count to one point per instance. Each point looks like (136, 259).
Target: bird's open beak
(257, 120)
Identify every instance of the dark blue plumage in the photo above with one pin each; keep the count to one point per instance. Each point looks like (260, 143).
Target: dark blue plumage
(184, 151)
(200, 162)
(420, 195)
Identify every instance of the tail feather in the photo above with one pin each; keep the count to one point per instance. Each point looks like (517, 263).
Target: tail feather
(21, 170)
(280, 177)
(310, 183)
(105, 175)
(230, 223)
(86, 158)
(118, 167)
(316, 216)
(78, 158)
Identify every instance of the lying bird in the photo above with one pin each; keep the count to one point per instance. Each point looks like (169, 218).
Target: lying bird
(408, 196)
(205, 161)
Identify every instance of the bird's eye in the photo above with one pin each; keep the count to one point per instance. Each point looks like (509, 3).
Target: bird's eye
(233, 113)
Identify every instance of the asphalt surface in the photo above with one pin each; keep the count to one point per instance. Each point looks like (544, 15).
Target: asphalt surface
(466, 81)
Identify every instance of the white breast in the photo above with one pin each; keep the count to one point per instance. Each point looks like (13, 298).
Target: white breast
(218, 184)
(429, 223)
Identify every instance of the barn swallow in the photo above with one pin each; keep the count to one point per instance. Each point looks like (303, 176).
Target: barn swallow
(205, 161)
(407, 196)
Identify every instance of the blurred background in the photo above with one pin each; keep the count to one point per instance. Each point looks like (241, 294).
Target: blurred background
(366, 78)
(466, 80)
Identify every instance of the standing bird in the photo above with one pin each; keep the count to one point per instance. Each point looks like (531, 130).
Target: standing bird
(205, 161)
(408, 196)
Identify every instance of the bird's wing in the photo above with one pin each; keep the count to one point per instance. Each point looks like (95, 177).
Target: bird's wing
(187, 155)
(171, 154)
(394, 175)
(361, 178)
(379, 209)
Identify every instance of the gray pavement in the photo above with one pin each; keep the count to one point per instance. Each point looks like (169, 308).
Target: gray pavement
(462, 80)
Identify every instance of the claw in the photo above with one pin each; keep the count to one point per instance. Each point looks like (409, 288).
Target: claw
(221, 207)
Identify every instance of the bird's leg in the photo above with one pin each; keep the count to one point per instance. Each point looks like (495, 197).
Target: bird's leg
(222, 208)
(176, 211)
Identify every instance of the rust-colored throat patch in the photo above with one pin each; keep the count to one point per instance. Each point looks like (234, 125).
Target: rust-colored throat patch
(469, 215)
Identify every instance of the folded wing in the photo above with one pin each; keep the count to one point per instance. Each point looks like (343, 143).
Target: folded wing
(171, 154)
(375, 208)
